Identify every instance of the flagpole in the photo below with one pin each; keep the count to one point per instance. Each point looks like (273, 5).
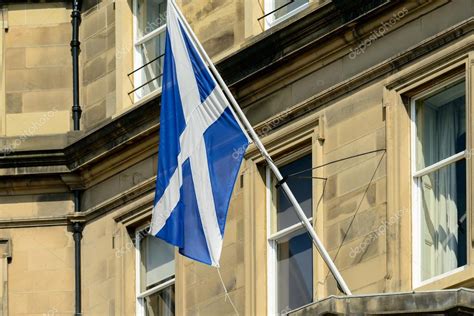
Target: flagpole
(299, 211)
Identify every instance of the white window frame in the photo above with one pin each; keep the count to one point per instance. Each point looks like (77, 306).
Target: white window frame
(272, 239)
(416, 190)
(140, 296)
(270, 20)
(138, 60)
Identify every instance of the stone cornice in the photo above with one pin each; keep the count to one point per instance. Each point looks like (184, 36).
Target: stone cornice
(134, 133)
(139, 199)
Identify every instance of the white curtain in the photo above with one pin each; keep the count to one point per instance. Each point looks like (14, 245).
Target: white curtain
(441, 130)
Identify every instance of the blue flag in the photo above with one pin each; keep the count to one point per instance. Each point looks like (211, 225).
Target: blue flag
(200, 152)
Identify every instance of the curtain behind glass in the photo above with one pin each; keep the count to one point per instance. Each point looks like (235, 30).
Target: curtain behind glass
(441, 134)
(150, 16)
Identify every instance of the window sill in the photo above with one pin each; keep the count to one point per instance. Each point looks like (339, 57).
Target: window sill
(461, 277)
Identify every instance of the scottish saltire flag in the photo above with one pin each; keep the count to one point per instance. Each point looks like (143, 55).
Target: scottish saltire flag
(200, 152)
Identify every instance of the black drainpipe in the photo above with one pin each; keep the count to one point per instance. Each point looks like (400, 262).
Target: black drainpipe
(77, 228)
(75, 51)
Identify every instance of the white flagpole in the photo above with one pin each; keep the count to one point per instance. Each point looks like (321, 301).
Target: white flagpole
(299, 211)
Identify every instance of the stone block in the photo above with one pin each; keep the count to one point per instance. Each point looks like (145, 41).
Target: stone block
(111, 37)
(214, 6)
(110, 104)
(359, 250)
(365, 222)
(53, 280)
(38, 79)
(95, 45)
(96, 272)
(40, 259)
(15, 80)
(357, 126)
(38, 123)
(111, 62)
(35, 14)
(96, 92)
(111, 82)
(373, 288)
(360, 175)
(345, 205)
(110, 14)
(52, 238)
(16, 206)
(95, 114)
(20, 264)
(17, 303)
(14, 103)
(218, 305)
(220, 43)
(358, 146)
(47, 100)
(365, 273)
(62, 302)
(59, 34)
(15, 58)
(38, 303)
(48, 56)
(93, 22)
(94, 69)
(54, 204)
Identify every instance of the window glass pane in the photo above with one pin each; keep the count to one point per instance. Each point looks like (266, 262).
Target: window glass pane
(301, 185)
(443, 220)
(151, 14)
(441, 125)
(295, 271)
(157, 259)
(150, 75)
(160, 303)
(288, 8)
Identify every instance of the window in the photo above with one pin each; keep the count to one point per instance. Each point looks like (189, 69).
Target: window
(155, 276)
(290, 246)
(279, 10)
(149, 45)
(439, 177)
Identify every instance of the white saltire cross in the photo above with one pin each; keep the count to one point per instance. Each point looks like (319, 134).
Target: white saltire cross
(198, 118)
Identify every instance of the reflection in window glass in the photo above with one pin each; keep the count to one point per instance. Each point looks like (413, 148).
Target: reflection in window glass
(292, 249)
(295, 271)
(285, 9)
(301, 186)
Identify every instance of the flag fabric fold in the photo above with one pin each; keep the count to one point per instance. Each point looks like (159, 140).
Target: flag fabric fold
(200, 151)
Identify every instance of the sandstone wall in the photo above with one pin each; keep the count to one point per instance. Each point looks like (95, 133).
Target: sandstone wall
(38, 75)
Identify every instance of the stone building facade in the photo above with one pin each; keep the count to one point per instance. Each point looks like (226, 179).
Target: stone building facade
(367, 105)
